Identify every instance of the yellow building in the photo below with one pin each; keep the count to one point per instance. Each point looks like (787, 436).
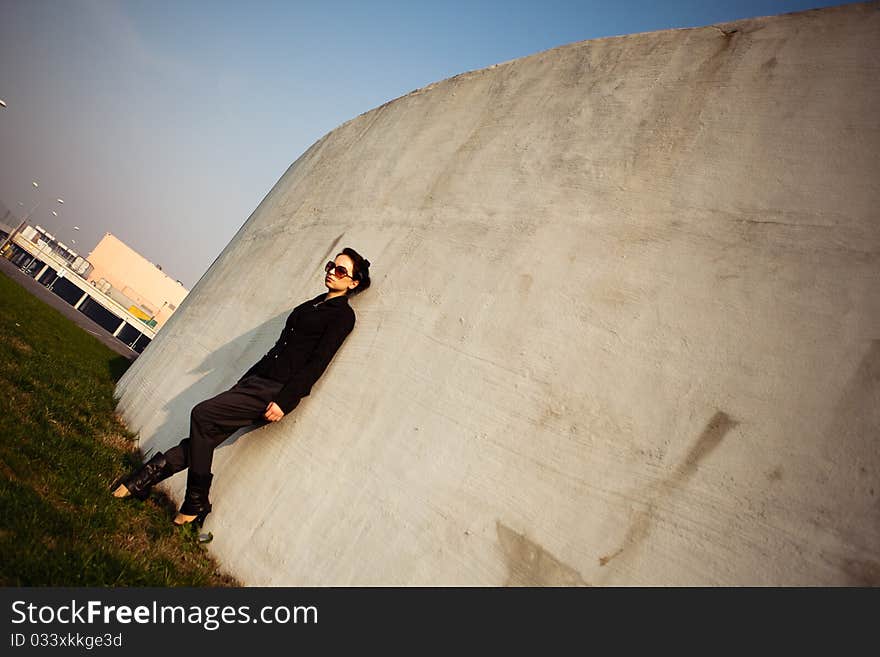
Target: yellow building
(130, 279)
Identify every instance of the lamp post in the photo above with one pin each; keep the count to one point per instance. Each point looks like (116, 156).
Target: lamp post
(18, 228)
(27, 267)
(153, 316)
(60, 201)
(11, 235)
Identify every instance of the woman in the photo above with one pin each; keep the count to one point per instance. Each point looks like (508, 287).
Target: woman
(265, 393)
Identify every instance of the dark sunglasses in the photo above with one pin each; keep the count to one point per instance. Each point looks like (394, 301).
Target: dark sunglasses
(339, 270)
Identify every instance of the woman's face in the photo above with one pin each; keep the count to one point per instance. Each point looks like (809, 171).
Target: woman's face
(335, 283)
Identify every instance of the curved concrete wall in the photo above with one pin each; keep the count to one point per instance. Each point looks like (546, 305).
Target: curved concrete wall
(624, 328)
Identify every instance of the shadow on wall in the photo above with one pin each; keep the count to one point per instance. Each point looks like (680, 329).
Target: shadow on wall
(216, 379)
(118, 366)
(216, 368)
(856, 419)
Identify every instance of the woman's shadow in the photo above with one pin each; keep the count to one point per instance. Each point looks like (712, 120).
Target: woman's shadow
(221, 369)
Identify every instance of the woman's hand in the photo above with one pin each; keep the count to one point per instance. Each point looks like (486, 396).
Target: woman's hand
(273, 412)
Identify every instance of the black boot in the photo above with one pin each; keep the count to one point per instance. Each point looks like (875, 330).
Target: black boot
(196, 503)
(150, 474)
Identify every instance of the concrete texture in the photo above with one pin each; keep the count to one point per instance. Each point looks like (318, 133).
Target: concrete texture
(624, 328)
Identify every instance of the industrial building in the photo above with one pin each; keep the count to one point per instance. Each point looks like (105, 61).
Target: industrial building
(114, 285)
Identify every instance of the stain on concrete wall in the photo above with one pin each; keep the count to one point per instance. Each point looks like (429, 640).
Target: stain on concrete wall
(640, 527)
(529, 564)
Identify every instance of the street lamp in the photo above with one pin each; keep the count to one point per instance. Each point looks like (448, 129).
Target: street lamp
(23, 221)
(33, 259)
(12, 235)
(153, 316)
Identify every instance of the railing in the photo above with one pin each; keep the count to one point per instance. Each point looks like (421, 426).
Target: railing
(48, 257)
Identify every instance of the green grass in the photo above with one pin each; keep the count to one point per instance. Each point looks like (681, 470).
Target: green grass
(61, 446)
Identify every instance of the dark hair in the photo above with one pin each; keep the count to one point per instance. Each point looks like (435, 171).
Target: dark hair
(361, 270)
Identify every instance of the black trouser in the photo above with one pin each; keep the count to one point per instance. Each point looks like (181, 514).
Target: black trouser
(214, 420)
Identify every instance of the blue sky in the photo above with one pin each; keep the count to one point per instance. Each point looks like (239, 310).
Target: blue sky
(166, 123)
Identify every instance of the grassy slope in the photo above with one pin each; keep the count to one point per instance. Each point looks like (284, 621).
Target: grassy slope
(61, 445)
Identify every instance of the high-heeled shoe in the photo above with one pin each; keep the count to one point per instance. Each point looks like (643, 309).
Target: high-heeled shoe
(195, 502)
(140, 483)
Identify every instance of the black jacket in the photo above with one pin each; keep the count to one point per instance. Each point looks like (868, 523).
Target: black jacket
(312, 334)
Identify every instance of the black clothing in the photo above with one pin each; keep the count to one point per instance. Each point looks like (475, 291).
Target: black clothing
(313, 333)
(212, 421)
